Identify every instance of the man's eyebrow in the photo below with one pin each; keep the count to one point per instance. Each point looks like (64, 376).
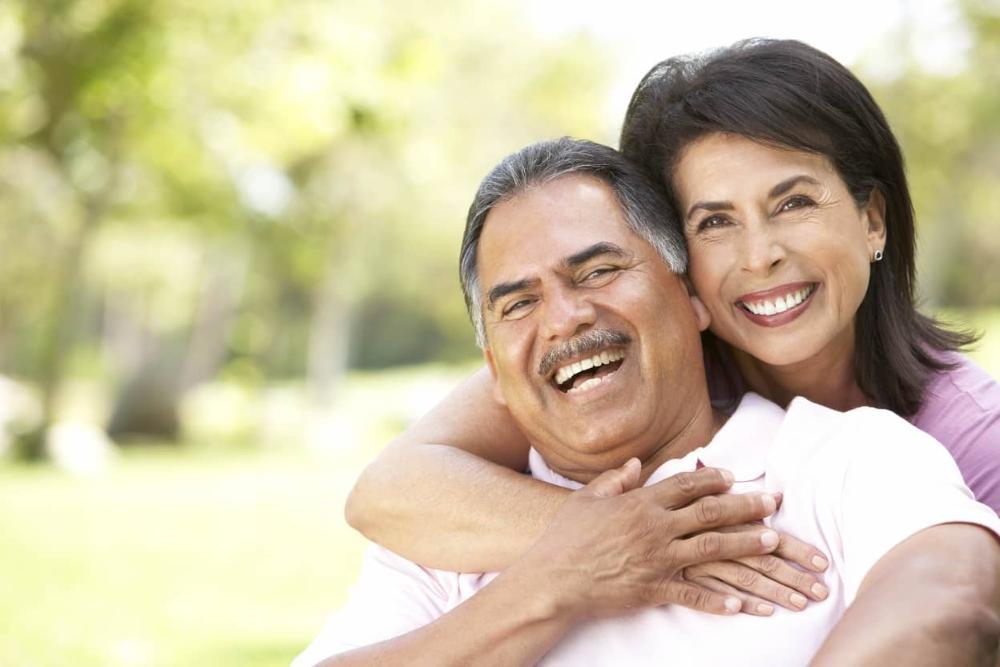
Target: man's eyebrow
(501, 290)
(589, 253)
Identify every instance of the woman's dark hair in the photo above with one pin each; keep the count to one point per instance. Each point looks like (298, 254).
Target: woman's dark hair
(785, 93)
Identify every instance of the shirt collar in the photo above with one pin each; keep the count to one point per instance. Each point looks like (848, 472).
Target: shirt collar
(740, 446)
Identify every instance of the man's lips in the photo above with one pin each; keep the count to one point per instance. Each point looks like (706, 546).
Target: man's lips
(580, 347)
(588, 372)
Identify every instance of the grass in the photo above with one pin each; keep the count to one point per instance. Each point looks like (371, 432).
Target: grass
(173, 559)
(208, 556)
(194, 555)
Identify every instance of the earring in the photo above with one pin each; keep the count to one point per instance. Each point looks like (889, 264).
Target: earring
(878, 255)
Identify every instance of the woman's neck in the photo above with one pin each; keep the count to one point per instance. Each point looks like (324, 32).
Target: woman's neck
(827, 378)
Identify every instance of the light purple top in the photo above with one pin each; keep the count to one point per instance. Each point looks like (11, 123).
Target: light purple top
(961, 410)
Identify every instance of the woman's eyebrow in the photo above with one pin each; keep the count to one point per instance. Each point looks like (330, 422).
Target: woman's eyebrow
(789, 183)
(778, 190)
(708, 206)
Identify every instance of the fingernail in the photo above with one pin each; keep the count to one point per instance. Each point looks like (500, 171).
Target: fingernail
(728, 476)
(769, 538)
(765, 609)
(769, 503)
(733, 605)
(819, 562)
(798, 600)
(819, 590)
(778, 495)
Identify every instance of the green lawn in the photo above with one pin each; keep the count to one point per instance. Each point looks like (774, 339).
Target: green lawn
(173, 560)
(203, 556)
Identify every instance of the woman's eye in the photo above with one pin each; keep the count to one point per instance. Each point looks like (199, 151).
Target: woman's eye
(798, 201)
(711, 222)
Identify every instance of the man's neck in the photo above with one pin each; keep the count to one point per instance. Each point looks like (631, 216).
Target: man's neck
(693, 428)
(704, 423)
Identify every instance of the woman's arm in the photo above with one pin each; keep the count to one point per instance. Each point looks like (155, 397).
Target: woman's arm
(461, 506)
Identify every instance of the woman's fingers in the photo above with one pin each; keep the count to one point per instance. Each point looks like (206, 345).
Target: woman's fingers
(777, 574)
(751, 582)
(751, 604)
(804, 555)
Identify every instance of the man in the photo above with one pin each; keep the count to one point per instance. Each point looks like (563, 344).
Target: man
(593, 339)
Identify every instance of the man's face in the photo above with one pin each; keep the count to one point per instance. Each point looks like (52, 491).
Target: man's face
(593, 340)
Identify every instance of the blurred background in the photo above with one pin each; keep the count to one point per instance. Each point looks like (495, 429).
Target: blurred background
(228, 239)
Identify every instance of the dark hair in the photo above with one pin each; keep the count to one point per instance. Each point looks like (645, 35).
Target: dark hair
(788, 94)
(643, 203)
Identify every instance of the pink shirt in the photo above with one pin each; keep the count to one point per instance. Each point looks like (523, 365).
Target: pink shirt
(835, 470)
(962, 411)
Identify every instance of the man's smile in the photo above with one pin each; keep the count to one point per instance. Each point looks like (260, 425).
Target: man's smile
(589, 372)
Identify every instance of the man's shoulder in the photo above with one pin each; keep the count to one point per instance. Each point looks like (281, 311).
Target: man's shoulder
(862, 436)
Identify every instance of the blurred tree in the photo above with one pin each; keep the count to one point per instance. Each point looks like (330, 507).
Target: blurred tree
(195, 183)
(949, 126)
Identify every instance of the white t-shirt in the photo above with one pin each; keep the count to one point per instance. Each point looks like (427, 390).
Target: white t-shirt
(855, 485)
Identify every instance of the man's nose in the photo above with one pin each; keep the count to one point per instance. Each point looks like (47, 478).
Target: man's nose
(763, 249)
(567, 311)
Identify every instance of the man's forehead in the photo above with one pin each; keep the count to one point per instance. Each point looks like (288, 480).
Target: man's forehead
(560, 218)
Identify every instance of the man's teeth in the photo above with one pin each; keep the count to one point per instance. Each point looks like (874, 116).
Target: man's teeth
(569, 370)
(778, 305)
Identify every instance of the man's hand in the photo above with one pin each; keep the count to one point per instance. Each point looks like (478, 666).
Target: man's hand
(613, 547)
(787, 576)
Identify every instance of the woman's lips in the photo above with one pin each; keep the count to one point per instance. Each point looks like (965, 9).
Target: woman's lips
(779, 305)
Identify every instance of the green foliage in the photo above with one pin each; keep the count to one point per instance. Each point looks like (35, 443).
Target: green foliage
(949, 126)
(330, 148)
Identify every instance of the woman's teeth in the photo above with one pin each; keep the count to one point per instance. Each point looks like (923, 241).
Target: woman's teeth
(569, 370)
(778, 305)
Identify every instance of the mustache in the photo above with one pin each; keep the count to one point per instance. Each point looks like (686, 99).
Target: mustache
(590, 341)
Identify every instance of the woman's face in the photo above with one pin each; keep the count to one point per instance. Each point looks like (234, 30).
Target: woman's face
(780, 252)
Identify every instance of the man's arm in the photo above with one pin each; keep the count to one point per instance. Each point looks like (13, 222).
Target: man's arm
(932, 600)
(525, 610)
(514, 620)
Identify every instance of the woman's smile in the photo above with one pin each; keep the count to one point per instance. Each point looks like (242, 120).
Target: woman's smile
(780, 251)
(777, 306)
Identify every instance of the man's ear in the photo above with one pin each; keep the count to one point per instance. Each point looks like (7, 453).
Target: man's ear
(701, 314)
(874, 212)
(497, 393)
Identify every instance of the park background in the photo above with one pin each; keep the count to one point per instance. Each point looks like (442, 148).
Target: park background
(228, 235)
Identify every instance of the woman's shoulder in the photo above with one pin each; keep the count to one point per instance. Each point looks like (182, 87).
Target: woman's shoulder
(965, 386)
(961, 409)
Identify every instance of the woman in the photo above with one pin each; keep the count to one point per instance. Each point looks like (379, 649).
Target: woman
(791, 192)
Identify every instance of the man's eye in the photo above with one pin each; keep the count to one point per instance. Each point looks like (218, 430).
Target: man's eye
(712, 222)
(796, 201)
(516, 306)
(603, 272)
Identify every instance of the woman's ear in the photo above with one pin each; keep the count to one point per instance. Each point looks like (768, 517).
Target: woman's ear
(874, 211)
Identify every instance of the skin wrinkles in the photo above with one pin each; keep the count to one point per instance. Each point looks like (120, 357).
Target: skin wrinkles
(779, 217)
(556, 237)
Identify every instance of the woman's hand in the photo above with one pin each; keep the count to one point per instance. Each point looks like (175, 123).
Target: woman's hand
(789, 576)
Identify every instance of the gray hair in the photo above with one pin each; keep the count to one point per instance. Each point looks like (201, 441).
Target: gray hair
(645, 207)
